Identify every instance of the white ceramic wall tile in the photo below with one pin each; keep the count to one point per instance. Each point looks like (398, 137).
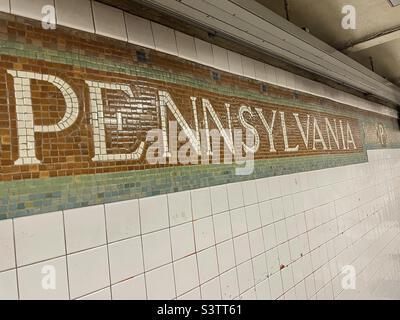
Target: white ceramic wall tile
(277, 209)
(290, 81)
(7, 252)
(274, 187)
(235, 63)
(100, 295)
(180, 208)
(186, 46)
(132, 289)
(201, 203)
(29, 8)
(204, 233)
(211, 290)
(222, 227)
(182, 241)
(220, 58)
(249, 192)
(281, 231)
(260, 72)
(154, 213)
(164, 39)
(204, 52)
(88, 272)
(226, 256)
(229, 285)
(5, 5)
(219, 199)
(84, 228)
(242, 248)
(39, 237)
(262, 187)
(186, 274)
(271, 74)
(75, 14)
(260, 268)
(281, 77)
(253, 217)
(263, 291)
(248, 67)
(276, 285)
(195, 294)
(235, 195)
(160, 283)
(266, 213)
(208, 265)
(8, 285)
(157, 249)
(238, 220)
(122, 220)
(273, 261)
(44, 281)
(245, 276)
(256, 242)
(139, 31)
(126, 259)
(109, 21)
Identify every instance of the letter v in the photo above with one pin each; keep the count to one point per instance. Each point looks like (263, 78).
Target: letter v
(303, 135)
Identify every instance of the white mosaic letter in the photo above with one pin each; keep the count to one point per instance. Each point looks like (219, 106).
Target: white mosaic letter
(285, 135)
(99, 121)
(321, 140)
(252, 130)
(300, 126)
(167, 102)
(269, 128)
(330, 131)
(350, 139)
(225, 133)
(25, 122)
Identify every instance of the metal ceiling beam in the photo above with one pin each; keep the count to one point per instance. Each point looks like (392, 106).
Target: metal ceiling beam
(372, 41)
(250, 23)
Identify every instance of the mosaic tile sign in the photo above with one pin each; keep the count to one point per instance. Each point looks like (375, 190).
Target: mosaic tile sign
(87, 124)
(85, 120)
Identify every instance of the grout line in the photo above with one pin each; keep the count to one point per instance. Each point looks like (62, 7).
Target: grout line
(194, 241)
(66, 255)
(141, 243)
(16, 262)
(108, 249)
(170, 246)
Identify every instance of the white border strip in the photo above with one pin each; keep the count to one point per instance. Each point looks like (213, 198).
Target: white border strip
(94, 17)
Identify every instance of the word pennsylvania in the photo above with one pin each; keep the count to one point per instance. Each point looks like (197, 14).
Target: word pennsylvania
(119, 121)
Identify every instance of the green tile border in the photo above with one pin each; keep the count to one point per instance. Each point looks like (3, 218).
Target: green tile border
(27, 197)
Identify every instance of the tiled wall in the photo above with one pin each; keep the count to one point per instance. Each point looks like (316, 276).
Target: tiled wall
(281, 237)
(284, 237)
(46, 167)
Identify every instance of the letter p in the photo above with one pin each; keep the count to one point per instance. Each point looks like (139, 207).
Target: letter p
(25, 121)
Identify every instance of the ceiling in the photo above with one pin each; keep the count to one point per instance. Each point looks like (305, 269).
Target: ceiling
(376, 21)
